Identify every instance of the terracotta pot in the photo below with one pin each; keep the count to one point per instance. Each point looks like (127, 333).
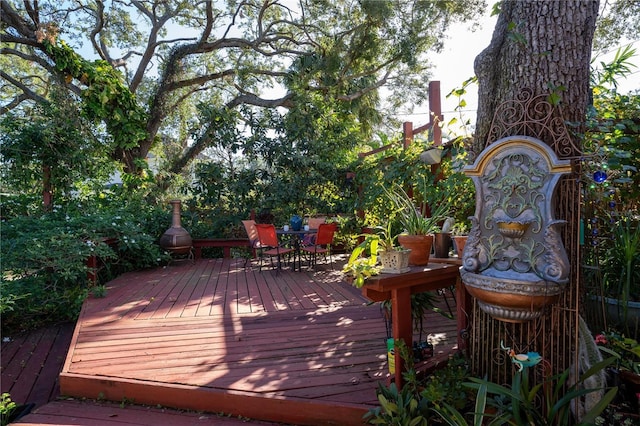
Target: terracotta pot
(511, 299)
(420, 246)
(460, 241)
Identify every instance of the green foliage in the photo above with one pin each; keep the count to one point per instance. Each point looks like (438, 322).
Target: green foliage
(445, 395)
(611, 208)
(444, 184)
(446, 386)
(398, 408)
(348, 231)
(99, 291)
(414, 218)
(51, 136)
(7, 407)
(363, 261)
(625, 349)
(44, 259)
(612, 140)
(106, 98)
(621, 264)
(423, 399)
(618, 20)
(318, 67)
(403, 407)
(518, 404)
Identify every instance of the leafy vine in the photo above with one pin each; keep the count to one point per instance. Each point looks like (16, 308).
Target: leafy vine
(106, 97)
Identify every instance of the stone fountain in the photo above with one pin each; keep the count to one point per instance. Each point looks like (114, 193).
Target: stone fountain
(514, 262)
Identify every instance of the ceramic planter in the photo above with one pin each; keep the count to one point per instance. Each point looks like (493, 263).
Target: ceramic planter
(441, 244)
(394, 261)
(420, 246)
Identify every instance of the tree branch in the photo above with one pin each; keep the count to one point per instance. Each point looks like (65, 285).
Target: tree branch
(356, 95)
(27, 92)
(13, 19)
(94, 35)
(14, 103)
(27, 57)
(251, 99)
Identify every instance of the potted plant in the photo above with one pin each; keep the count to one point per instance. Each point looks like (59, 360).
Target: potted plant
(394, 259)
(627, 353)
(459, 234)
(621, 273)
(363, 262)
(442, 240)
(418, 228)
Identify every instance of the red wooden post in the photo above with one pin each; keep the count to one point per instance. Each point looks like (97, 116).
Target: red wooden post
(92, 272)
(407, 133)
(436, 117)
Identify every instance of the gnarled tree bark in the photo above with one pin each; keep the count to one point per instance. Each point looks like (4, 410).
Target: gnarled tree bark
(544, 46)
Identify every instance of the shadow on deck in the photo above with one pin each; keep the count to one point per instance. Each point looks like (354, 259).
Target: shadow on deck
(293, 347)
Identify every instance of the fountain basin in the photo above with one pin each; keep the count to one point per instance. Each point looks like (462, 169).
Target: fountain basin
(509, 299)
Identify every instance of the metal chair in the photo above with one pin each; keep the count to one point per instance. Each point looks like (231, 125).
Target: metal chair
(322, 245)
(309, 240)
(269, 243)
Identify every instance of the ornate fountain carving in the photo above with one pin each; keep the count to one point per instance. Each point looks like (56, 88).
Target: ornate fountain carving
(514, 262)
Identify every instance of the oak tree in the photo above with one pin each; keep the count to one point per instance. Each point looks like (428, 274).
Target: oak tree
(160, 64)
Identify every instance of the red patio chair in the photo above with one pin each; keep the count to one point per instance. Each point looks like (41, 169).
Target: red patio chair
(324, 239)
(269, 243)
(254, 241)
(314, 223)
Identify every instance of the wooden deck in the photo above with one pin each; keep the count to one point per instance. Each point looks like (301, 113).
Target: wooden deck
(215, 336)
(31, 363)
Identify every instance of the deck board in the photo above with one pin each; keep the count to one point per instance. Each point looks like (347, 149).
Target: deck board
(217, 335)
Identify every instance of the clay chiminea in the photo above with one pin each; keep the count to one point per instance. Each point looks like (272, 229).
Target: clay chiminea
(176, 239)
(514, 262)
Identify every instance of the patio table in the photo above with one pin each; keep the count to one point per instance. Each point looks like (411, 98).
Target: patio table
(296, 236)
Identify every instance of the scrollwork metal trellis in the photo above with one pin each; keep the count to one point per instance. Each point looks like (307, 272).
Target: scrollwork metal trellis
(533, 115)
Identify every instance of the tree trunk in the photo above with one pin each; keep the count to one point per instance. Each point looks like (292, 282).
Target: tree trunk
(544, 46)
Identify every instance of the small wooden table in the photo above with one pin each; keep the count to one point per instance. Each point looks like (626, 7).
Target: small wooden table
(399, 287)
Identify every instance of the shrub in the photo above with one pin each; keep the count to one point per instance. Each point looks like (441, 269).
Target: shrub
(44, 259)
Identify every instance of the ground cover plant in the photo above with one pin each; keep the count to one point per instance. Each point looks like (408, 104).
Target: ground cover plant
(44, 259)
(452, 396)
